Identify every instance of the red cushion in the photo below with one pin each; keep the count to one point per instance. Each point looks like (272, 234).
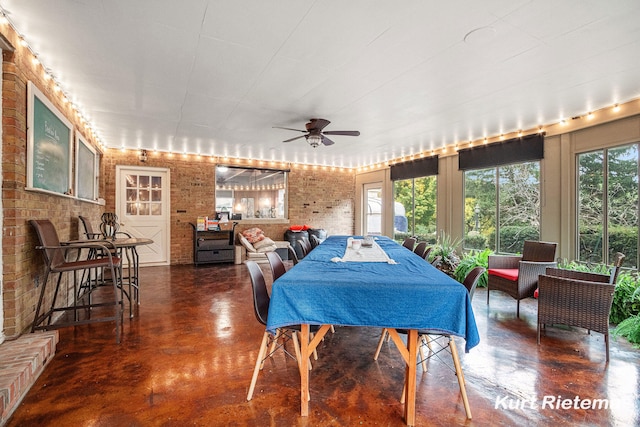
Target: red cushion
(505, 273)
(535, 293)
(299, 228)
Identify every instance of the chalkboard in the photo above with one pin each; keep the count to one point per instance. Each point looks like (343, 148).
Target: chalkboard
(86, 170)
(49, 140)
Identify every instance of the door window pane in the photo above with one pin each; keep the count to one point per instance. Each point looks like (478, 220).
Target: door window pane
(139, 194)
(373, 220)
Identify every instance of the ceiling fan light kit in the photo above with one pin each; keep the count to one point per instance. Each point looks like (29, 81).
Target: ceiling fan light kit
(314, 134)
(314, 140)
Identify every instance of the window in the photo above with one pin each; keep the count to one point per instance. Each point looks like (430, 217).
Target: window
(608, 205)
(373, 209)
(251, 193)
(415, 208)
(502, 207)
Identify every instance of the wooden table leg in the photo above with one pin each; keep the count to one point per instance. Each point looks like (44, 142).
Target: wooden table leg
(410, 379)
(460, 375)
(304, 370)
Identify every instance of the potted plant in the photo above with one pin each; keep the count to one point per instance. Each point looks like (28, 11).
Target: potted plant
(445, 248)
(470, 260)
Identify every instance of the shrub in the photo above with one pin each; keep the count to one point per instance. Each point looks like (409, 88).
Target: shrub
(475, 240)
(630, 329)
(512, 238)
(626, 299)
(471, 260)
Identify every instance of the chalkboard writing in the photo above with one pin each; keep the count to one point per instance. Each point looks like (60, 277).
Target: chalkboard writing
(85, 170)
(49, 160)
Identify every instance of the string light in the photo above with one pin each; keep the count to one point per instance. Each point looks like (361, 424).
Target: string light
(84, 121)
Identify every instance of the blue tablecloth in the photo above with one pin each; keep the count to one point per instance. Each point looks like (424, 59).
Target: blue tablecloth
(411, 294)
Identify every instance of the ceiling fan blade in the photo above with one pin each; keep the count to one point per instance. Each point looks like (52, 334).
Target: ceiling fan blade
(342, 132)
(297, 130)
(326, 141)
(293, 139)
(317, 124)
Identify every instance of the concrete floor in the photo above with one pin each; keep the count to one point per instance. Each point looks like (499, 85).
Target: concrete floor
(187, 356)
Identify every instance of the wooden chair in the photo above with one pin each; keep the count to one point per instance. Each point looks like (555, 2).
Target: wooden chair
(56, 258)
(518, 275)
(409, 243)
(261, 302)
(577, 298)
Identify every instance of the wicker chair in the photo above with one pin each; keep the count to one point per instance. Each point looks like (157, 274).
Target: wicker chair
(518, 275)
(577, 298)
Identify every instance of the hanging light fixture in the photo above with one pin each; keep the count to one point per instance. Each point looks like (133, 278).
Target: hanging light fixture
(314, 140)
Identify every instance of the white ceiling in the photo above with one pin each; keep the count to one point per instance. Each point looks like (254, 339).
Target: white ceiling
(214, 77)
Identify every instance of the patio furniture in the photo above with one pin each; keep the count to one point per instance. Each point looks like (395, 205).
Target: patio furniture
(276, 265)
(409, 243)
(261, 302)
(518, 275)
(577, 298)
(470, 282)
(420, 249)
(57, 259)
(364, 291)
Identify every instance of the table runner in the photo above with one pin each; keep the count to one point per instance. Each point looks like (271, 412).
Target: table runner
(373, 253)
(411, 294)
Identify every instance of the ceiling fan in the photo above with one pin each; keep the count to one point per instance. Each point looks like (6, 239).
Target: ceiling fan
(314, 134)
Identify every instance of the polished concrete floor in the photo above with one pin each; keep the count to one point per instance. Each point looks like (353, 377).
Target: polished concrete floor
(187, 356)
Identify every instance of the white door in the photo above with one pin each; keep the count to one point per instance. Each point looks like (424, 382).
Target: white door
(142, 206)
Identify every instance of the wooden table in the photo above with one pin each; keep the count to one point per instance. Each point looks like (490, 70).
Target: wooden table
(404, 293)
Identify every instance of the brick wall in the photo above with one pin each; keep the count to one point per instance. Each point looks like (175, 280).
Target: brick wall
(23, 267)
(318, 197)
(322, 198)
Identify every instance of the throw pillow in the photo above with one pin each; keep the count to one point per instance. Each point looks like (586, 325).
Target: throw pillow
(269, 248)
(263, 243)
(253, 235)
(244, 242)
